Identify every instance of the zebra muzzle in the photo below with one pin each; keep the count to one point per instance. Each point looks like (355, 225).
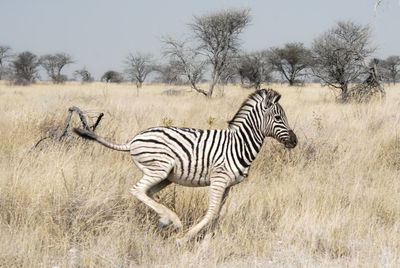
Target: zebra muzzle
(292, 141)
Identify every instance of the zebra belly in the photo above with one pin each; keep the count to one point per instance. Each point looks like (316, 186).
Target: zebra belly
(189, 180)
(175, 169)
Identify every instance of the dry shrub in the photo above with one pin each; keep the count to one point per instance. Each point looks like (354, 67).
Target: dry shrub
(363, 93)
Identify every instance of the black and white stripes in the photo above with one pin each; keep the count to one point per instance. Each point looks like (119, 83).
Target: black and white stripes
(194, 157)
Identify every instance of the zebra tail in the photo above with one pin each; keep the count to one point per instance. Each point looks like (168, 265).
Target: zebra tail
(93, 136)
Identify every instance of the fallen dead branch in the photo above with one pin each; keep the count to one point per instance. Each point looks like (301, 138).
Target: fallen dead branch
(55, 136)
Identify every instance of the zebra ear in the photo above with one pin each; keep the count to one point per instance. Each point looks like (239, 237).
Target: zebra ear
(271, 97)
(276, 98)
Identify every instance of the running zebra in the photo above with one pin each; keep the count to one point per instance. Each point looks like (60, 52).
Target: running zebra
(195, 157)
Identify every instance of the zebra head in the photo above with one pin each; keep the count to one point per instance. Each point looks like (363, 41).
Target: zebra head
(275, 122)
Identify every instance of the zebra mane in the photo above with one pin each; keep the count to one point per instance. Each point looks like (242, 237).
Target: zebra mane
(262, 95)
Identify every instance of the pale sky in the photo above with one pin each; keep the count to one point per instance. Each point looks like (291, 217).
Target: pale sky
(99, 34)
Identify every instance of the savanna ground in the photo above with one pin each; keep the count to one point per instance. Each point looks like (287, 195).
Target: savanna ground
(334, 200)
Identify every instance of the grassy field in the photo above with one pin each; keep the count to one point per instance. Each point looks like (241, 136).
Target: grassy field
(334, 200)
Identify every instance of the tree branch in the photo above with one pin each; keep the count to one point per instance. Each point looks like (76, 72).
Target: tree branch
(53, 136)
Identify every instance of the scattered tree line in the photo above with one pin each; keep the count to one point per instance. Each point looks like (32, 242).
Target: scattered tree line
(338, 58)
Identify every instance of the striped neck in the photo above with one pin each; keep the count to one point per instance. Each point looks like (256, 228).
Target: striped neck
(246, 124)
(252, 105)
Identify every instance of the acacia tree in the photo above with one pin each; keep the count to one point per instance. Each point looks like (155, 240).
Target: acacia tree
(25, 68)
(54, 63)
(138, 67)
(391, 66)
(112, 77)
(5, 55)
(254, 69)
(84, 75)
(168, 73)
(218, 34)
(230, 74)
(290, 61)
(339, 55)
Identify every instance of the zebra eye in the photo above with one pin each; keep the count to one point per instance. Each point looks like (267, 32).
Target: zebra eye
(278, 118)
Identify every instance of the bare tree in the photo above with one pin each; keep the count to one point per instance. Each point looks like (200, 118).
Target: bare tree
(255, 69)
(230, 74)
(25, 68)
(53, 64)
(168, 73)
(218, 34)
(84, 75)
(185, 61)
(391, 66)
(290, 61)
(339, 55)
(5, 55)
(138, 67)
(112, 77)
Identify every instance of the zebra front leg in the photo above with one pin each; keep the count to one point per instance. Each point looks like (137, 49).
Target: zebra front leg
(220, 214)
(222, 209)
(217, 190)
(148, 186)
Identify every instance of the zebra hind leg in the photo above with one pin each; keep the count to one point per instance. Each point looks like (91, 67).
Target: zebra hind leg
(158, 187)
(162, 222)
(143, 191)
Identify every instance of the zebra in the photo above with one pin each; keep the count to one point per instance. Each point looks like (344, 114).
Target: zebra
(195, 157)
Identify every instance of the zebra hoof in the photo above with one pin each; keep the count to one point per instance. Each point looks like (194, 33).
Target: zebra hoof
(164, 222)
(177, 225)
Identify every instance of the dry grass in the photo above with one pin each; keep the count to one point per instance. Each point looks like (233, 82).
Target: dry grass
(334, 200)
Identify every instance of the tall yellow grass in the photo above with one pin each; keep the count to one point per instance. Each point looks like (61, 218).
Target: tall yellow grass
(334, 200)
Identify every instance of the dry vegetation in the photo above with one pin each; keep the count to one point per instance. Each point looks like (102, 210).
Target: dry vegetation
(334, 200)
